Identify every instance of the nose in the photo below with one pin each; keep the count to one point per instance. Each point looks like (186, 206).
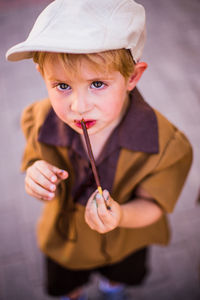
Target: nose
(81, 103)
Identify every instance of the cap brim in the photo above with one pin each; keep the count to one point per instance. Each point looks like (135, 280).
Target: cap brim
(20, 52)
(25, 50)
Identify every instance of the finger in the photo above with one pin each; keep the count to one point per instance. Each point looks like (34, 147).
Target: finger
(35, 195)
(91, 207)
(102, 210)
(45, 168)
(107, 199)
(94, 223)
(38, 189)
(51, 172)
(91, 200)
(37, 176)
(91, 215)
(62, 174)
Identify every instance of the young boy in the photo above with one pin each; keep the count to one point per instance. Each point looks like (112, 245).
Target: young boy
(88, 53)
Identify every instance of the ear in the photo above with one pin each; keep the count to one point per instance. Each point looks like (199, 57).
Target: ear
(38, 69)
(140, 67)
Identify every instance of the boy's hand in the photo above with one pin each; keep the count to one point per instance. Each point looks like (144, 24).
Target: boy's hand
(42, 179)
(98, 217)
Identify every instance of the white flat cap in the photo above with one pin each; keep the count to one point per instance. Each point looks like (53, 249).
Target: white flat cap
(85, 26)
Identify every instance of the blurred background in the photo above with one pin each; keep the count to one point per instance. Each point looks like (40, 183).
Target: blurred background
(171, 84)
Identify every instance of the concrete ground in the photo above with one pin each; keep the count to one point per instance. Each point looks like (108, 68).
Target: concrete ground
(171, 84)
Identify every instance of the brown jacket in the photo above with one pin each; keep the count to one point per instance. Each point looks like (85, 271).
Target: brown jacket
(161, 174)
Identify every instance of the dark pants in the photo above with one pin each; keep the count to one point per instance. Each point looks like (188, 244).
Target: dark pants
(130, 271)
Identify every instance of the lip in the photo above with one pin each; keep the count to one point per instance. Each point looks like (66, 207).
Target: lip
(88, 123)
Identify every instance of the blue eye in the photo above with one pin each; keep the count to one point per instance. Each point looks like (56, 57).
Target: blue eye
(97, 84)
(63, 86)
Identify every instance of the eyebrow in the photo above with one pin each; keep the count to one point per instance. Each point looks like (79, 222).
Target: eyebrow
(100, 78)
(89, 79)
(51, 78)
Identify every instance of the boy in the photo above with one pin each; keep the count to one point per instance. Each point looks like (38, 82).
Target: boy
(88, 53)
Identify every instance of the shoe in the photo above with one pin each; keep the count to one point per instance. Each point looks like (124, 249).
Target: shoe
(82, 297)
(118, 295)
(108, 291)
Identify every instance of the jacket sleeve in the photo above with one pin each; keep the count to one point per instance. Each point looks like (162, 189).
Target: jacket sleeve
(30, 130)
(166, 181)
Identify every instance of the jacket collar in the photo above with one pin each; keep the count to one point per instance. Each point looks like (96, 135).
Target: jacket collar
(138, 130)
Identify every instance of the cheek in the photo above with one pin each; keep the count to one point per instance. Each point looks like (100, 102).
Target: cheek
(113, 104)
(112, 109)
(60, 108)
(58, 103)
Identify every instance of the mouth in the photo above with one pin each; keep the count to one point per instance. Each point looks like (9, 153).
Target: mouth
(88, 123)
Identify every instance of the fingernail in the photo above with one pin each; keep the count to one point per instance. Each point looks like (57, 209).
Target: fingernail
(98, 196)
(52, 187)
(53, 178)
(50, 195)
(61, 172)
(106, 195)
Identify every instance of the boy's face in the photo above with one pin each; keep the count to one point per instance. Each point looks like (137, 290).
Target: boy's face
(98, 98)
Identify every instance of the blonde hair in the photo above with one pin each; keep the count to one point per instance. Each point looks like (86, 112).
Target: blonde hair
(112, 60)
